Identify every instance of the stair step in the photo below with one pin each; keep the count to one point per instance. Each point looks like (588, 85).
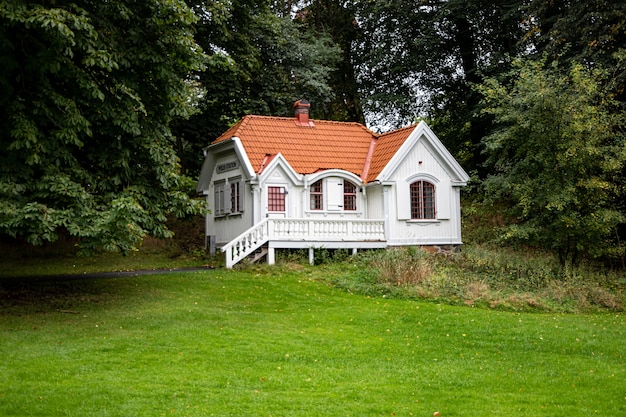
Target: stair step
(258, 254)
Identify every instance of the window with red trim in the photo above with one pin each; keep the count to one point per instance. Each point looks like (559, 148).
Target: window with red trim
(422, 200)
(235, 197)
(349, 196)
(317, 195)
(276, 199)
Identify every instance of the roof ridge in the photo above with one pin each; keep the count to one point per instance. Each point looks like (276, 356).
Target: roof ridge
(323, 121)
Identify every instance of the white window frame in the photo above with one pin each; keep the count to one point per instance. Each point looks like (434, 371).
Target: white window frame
(236, 187)
(333, 196)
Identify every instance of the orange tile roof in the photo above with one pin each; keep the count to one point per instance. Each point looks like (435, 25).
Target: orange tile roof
(387, 146)
(326, 145)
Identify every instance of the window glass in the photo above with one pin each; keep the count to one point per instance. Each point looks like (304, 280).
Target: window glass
(235, 197)
(317, 196)
(422, 200)
(349, 196)
(276, 199)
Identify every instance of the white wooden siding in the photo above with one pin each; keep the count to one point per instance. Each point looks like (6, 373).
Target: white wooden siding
(422, 164)
(375, 209)
(227, 227)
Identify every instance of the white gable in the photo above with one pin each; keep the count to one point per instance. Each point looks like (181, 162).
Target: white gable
(279, 169)
(424, 136)
(221, 154)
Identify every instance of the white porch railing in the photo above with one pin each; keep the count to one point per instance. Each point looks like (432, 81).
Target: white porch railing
(313, 230)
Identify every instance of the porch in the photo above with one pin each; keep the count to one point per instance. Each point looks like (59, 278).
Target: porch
(309, 234)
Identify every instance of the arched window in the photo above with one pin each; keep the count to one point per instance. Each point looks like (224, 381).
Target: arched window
(317, 195)
(349, 196)
(422, 200)
(332, 194)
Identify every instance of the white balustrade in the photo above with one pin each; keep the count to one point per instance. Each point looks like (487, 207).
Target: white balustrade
(314, 230)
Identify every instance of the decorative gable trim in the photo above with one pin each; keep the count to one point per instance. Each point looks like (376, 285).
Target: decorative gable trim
(211, 153)
(457, 173)
(279, 161)
(243, 157)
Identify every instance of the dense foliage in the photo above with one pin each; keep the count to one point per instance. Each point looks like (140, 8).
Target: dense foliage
(103, 102)
(555, 156)
(87, 92)
(260, 61)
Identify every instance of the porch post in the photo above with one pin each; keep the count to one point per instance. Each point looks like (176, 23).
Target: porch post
(256, 203)
(386, 207)
(271, 256)
(311, 256)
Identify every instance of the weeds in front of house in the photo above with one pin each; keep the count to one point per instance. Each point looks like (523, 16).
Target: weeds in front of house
(483, 277)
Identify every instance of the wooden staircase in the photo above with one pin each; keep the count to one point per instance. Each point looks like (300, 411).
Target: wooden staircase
(260, 253)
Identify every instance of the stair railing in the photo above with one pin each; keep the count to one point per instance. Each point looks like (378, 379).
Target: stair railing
(246, 243)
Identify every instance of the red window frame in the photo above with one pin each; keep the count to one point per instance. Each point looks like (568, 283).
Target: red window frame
(422, 200)
(276, 199)
(317, 195)
(349, 196)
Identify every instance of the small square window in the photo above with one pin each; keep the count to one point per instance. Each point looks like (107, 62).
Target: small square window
(276, 199)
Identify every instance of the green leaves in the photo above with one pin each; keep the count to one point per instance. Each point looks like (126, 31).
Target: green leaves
(555, 155)
(85, 144)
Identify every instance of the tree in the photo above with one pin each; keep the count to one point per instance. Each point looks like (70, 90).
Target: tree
(557, 155)
(338, 20)
(589, 32)
(88, 89)
(421, 58)
(260, 61)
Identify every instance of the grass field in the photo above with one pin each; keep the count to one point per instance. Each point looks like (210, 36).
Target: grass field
(283, 342)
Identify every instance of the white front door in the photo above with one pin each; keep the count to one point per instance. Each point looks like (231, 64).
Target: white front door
(277, 201)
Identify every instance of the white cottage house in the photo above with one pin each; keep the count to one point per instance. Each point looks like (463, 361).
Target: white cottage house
(283, 182)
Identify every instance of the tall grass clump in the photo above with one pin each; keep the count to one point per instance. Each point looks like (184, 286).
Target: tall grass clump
(538, 279)
(483, 277)
(406, 272)
(401, 266)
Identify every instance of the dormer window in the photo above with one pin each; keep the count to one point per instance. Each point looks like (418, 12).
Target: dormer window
(317, 195)
(333, 194)
(349, 196)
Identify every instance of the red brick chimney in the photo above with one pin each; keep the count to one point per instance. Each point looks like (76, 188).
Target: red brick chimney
(302, 113)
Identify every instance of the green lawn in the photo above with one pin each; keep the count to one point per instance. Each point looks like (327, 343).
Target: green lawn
(281, 342)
